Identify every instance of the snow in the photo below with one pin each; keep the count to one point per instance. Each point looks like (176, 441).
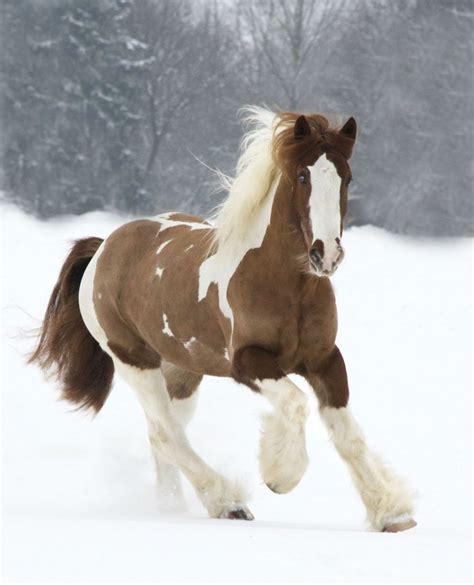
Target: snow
(47, 44)
(128, 64)
(133, 44)
(79, 495)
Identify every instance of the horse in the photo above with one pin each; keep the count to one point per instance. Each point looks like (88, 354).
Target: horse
(245, 294)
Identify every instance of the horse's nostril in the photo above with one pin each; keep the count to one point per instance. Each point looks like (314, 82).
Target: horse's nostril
(317, 250)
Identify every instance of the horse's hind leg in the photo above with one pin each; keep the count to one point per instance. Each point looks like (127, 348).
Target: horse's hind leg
(222, 498)
(183, 388)
(388, 500)
(170, 492)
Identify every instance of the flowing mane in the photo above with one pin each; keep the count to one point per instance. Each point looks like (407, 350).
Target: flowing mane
(256, 172)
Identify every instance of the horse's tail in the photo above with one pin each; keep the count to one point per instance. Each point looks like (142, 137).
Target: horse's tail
(66, 348)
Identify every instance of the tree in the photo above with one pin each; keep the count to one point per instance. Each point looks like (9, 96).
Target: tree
(280, 38)
(181, 62)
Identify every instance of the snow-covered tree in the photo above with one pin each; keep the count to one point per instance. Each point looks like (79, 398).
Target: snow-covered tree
(104, 103)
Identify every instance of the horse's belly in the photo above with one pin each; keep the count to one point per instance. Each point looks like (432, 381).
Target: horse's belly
(198, 358)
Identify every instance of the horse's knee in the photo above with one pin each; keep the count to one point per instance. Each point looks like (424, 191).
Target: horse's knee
(329, 381)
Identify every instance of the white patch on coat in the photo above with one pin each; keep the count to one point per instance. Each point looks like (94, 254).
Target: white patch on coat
(86, 302)
(188, 344)
(170, 223)
(385, 495)
(220, 267)
(159, 271)
(324, 207)
(166, 328)
(161, 247)
(283, 456)
(189, 248)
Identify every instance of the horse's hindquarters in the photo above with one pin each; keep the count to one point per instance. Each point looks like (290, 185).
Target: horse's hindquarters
(86, 301)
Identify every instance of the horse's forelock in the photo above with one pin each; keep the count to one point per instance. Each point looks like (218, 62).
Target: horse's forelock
(289, 150)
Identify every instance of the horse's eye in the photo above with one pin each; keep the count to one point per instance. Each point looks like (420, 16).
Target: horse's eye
(302, 178)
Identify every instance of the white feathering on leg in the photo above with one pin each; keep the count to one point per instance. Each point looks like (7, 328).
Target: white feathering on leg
(386, 496)
(283, 457)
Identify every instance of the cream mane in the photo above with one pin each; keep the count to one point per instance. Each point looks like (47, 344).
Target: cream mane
(256, 173)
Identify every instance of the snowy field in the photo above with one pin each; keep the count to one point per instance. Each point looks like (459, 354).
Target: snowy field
(78, 493)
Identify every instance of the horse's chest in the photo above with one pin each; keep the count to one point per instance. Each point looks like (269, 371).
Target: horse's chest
(300, 330)
(317, 327)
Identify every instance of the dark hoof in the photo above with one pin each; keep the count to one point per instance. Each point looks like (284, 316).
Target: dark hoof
(240, 513)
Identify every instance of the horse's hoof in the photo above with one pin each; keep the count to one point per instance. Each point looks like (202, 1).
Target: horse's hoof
(399, 526)
(237, 513)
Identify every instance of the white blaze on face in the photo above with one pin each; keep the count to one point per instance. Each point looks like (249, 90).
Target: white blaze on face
(324, 208)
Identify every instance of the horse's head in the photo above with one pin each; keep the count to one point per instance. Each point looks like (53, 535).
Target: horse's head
(314, 158)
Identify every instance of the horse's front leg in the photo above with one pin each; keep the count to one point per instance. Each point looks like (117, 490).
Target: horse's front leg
(388, 500)
(283, 457)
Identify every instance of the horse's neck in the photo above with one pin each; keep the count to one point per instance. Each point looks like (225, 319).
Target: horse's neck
(270, 230)
(286, 242)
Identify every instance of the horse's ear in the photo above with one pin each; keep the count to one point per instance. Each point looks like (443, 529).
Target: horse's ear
(349, 129)
(302, 128)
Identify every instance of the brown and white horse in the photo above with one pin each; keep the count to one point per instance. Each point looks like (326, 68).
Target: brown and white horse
(164, 301)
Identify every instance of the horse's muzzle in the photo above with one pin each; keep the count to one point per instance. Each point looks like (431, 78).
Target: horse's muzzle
(323, 264)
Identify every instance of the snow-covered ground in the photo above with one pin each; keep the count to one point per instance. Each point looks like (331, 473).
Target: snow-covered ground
(78, 494)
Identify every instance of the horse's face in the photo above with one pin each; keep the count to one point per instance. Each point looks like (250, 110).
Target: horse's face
(320, 190)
